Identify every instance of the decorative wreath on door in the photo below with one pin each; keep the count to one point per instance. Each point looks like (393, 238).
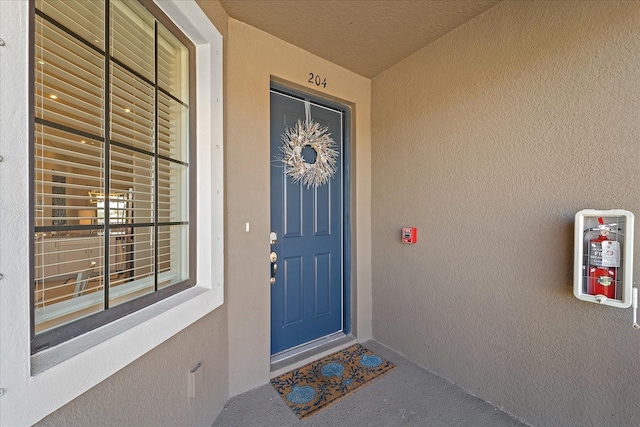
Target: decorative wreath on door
(311, 134)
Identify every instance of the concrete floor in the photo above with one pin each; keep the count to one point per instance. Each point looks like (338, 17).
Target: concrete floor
(406, 396)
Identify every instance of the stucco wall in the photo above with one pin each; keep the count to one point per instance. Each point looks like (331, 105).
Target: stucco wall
(489, 141)
(153, 389)
(253, 59)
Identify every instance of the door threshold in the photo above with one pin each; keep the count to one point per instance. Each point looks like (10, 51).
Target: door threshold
(294, 358)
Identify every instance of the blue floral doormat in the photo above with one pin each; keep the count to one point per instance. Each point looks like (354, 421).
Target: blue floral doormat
(321, 383)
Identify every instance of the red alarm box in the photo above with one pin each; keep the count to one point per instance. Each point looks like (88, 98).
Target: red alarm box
(409, 235)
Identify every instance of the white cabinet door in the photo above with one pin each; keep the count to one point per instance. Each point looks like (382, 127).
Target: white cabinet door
(77, 253)
(46, 259)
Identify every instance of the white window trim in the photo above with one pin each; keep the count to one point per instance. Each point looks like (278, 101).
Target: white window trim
(33, 387)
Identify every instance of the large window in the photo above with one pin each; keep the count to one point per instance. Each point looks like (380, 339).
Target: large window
(113, 141)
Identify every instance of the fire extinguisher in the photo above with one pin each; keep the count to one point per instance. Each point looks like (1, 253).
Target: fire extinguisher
(604, 260)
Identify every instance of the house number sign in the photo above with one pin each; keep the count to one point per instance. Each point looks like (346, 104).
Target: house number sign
(317, 80)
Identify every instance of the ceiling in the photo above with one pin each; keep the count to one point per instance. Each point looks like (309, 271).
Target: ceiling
(364, 36)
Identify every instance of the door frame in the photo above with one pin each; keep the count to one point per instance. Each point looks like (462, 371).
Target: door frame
(346, 204)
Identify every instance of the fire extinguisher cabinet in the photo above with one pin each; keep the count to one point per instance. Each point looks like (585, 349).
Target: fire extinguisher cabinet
(603, 271)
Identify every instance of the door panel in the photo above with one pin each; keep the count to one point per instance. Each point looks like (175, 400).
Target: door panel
(292, 208)
(322, 284)
(292, 291)
(307, 296)
(322, 217)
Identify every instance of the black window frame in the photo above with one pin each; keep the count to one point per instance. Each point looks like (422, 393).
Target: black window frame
(91, 322)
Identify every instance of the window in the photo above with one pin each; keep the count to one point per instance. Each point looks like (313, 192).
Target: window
(96, 355)
(117, 208)
(113, 132)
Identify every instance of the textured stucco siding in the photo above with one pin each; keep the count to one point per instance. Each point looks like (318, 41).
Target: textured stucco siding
(153, 390)
(489, 141)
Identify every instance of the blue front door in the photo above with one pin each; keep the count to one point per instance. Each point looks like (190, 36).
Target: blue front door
(307, 295)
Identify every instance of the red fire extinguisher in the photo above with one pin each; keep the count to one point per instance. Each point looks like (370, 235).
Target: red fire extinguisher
(604, 260)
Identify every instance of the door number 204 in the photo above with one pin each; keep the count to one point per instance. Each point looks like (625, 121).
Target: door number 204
(317, 80)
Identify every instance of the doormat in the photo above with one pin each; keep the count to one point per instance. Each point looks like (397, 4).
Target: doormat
(319, 384)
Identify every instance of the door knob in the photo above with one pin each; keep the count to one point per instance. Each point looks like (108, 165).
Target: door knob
(274, 270)
(273, 257)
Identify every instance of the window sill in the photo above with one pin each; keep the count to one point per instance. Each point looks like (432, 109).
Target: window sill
(174, 314)
(94, 300)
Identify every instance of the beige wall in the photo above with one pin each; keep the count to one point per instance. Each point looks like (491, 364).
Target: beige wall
(216, 14)
(253, 59)
(153, 390)
(489, 141)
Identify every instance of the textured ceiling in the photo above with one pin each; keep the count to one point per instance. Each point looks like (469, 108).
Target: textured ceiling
(364, 36)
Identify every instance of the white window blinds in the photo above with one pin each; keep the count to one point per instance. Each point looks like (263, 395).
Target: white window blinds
(111, 162)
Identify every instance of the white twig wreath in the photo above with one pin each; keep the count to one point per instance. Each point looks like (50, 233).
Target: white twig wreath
(309, 133)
